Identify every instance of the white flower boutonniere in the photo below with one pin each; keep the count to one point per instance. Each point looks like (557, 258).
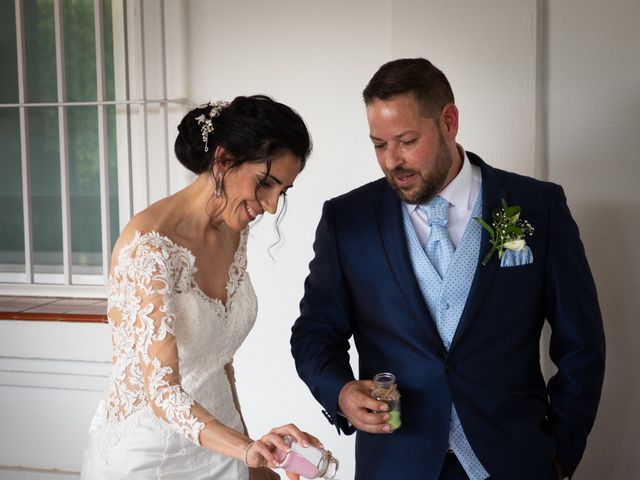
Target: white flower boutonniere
(507, 230)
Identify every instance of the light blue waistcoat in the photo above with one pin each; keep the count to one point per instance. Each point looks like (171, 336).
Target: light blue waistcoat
(446, 299)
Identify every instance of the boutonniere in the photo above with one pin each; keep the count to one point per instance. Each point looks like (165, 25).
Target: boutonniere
(507, 231)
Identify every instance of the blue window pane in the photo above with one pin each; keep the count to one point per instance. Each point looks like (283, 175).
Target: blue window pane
(109, 73)
(42, 133)
(11, 220)
(84, 188)
(8, 53)
(44, 157)
(79, 50)
(113, 174)
(40, 51)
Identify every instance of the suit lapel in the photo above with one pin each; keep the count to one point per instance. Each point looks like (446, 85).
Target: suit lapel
(390, 226)
(492, 193)
(389, 218)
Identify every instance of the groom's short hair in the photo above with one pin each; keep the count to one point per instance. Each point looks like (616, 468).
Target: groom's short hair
(411, 75)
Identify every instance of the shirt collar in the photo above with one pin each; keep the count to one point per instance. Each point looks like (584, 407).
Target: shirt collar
(458, 191)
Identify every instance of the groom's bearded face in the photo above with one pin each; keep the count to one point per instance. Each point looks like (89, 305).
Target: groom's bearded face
(410, 148)
(428, 182)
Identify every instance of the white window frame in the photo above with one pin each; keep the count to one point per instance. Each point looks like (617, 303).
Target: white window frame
(137, 25)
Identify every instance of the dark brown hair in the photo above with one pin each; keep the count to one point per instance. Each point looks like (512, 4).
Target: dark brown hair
(411, 75)
(251, 129)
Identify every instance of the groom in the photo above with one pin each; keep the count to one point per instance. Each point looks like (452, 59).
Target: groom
(403, 265)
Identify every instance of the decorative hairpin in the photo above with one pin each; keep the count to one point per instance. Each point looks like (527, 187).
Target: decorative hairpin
(205, 120)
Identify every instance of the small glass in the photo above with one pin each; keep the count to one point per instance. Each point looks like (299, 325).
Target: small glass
(386, 391)
(308, 462)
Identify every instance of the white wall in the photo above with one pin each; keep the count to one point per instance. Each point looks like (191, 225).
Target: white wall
(542, 86)
(316, 57)
(491, 65)
(51, 378)
(594, 115)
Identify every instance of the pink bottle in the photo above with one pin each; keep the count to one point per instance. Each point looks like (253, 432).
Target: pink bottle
(309, 462)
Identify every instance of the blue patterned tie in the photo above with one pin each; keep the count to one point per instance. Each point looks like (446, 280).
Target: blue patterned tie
(439, 248)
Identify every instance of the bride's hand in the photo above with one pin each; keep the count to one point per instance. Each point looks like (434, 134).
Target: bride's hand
(262, 452)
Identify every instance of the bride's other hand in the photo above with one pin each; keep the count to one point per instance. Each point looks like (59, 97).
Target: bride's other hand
(262, 452)
(303, 438)
(263, 473)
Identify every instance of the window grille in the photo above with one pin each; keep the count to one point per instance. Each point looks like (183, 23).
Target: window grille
(61, 226)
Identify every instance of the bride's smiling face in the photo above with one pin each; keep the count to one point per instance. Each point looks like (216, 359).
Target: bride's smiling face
(249, 190)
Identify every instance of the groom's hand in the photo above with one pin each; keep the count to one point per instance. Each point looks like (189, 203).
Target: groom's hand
(356, 404)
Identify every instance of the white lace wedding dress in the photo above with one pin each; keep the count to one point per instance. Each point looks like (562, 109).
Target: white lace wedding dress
(170, 345)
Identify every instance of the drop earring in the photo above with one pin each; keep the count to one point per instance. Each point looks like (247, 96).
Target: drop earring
(218, 190)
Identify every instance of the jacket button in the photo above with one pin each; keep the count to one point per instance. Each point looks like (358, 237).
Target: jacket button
(450, 366)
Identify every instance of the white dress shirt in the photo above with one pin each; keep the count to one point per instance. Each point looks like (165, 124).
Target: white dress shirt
(461, 194)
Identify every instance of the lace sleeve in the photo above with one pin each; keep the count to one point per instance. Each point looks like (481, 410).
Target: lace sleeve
(154, 274)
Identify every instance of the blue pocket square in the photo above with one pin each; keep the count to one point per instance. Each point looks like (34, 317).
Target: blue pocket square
(511, 258)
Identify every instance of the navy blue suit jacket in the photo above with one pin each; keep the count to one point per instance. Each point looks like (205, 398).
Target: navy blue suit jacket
(361, 284)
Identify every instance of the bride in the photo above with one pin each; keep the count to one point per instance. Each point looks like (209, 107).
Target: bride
(181, 303)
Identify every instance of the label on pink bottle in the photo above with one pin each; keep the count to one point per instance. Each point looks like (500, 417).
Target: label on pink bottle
(296, 463)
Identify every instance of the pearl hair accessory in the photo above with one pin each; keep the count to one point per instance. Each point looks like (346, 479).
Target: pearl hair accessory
(205, 120)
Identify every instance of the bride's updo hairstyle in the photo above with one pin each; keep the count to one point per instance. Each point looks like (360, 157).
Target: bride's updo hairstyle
(250, 129)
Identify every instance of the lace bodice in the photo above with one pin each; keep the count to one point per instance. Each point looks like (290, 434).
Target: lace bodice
(171, 341)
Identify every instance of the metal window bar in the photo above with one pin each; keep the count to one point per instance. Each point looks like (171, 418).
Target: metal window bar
(36, 283)
(164, 107)
(161, 101)
(62, 140)
(24, 145)
(139, 52)
(125, 189)
(102, 142)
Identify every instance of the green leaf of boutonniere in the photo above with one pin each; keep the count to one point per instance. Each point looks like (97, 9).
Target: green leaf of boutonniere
(507, 231)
